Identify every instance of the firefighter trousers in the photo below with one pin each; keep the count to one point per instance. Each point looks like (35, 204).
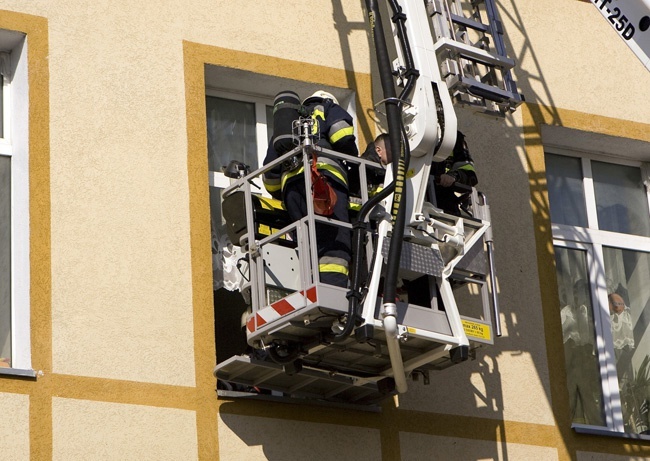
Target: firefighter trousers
(333, 242)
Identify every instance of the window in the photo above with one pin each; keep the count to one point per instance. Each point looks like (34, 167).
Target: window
(601, 233)
(14, 205)
(238, 128)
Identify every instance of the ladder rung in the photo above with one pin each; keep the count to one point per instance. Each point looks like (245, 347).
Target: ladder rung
(474, 54)
(489, 92)
(470, 23)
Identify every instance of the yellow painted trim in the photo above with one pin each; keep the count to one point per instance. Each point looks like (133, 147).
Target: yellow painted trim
(394, 420)
(201, 263)
(124, 392)
(295, 70)
(40, 409)
(534, 116)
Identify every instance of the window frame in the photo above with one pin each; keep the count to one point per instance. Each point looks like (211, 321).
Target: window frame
(5, 139)
(217, 178)
(15, 145)
(592, 240)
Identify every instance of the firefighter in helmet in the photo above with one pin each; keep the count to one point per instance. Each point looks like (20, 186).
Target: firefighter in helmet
(332, 129)
(457, 169)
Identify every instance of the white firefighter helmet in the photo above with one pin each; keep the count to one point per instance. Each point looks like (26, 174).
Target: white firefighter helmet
(320, 94)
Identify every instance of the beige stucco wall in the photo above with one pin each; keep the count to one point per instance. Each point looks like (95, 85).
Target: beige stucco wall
(568, 56)
(416, 447)
(257, 439)
(121, 288)
(328, 33)
(84, 430)
(14, 426)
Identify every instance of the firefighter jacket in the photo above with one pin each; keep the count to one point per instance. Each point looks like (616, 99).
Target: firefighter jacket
(459, 164)
(333, 130)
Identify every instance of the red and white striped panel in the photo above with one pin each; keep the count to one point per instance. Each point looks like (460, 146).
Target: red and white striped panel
(280, 308)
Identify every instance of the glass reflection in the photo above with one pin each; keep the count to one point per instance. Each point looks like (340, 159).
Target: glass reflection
(578, 333)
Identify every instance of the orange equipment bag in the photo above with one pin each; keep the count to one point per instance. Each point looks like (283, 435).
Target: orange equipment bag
(323, 194)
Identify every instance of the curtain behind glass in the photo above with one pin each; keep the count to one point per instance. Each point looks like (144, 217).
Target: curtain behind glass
(565, 190)
(628, 275)
(621, 199)
(5, 259)
(231, 133)
(578, 333)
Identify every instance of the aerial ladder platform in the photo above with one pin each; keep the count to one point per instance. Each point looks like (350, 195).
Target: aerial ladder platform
(360, 344)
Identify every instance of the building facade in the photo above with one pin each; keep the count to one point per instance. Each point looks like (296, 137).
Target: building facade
(111, 306)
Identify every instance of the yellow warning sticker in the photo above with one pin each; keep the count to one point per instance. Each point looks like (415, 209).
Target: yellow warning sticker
(411, 330)
(477, 330)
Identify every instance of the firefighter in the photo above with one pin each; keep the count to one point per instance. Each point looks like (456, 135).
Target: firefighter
(332, 129)
(377, 151)
(457, 169)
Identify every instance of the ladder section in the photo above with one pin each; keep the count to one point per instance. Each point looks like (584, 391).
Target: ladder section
(472, 56)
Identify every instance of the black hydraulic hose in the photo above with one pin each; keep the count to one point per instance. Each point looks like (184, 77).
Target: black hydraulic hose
(386, 77)
(398, 143)
(354, 295)
(393, 111)
(359, 233)
(409, 71)
(394, 119)
(399, 19)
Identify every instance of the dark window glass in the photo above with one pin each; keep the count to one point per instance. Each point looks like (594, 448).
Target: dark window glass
(621, 199)
(231, 133)
(565, 190)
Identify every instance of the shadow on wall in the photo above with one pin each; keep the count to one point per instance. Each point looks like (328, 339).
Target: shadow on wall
(345, 29)
(299, 438)
(482, 388)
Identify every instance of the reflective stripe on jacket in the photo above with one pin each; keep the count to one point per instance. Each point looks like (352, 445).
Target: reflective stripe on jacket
(333, 264)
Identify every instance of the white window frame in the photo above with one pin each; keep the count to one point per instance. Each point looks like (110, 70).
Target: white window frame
(217, 178)
(15, 144)
(592, 240)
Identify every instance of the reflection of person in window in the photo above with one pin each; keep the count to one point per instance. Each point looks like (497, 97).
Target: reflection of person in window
(622, 328)
(581, 362)
(623, 339)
